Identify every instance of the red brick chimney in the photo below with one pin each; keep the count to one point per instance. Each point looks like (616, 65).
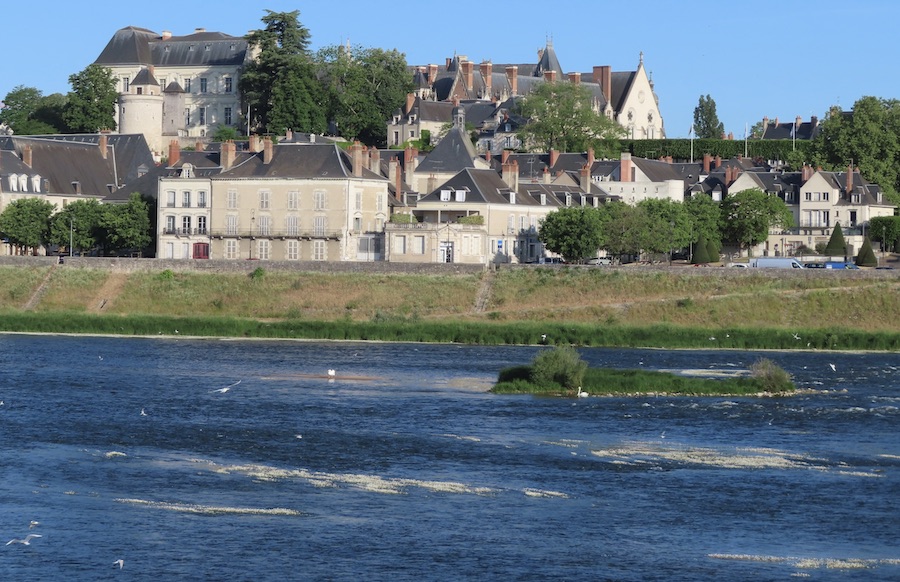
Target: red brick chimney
(554, 155)
(511, 174)
(590, 156)
(550, 76)
(487, 156)
(849, 178)
(226, 155)
(585, 178)
(487, 69)
(603, 77)
(356, 157)
(468, 71)
(706, 162)
(26, 155)
(432, 73)
(398, 181)
(174, 152)
(504, 157)
(512, 75)
(625, 168)
(268, 150)
(546, 175)
(575, 78)
(718, 161)
(103, 143)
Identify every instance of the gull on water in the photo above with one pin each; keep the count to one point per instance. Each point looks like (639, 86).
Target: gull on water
(143, 413)
(226, 388)
(26, 541)
(833, 368)
(33, 524)
(331, 373)
(120, 563)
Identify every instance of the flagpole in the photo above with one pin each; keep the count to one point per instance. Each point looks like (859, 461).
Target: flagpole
(746, 136)
(691, 133)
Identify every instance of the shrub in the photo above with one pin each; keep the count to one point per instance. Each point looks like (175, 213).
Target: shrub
(701, 252)
(471, 219)
(402, 218)
(167, 275)
(258, 273)
(836, 245)
(770, 376)
(866, 256)
(561, 365)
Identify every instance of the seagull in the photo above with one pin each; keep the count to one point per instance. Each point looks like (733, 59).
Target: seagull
(581, 393)
(33, 524)
(796, 337)
(227, 388)
(543, 338)
(101, 357)
(119, 563)
(143, 413)
(833, 369)
(24, 542)
(331, 373)
(663, 435)
(712, 338)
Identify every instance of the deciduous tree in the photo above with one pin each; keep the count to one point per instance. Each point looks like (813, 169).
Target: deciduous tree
(572, 231)
(28, 112)
(748, 215)
(127, 226)
(26, 222)
(79, 223)
(91, 104)
(561, 116)
(667, 225)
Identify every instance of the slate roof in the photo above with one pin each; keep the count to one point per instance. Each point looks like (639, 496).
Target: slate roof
(138, 46)
(145, 77)
(130, 151)
(453, 153)
(482, 185)
(298, 161)
(806, 130)
(60, 163)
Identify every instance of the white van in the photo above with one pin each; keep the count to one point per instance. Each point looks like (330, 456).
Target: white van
(775, 263)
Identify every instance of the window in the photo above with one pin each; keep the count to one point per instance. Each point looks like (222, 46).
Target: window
(522, 222)
(201, 199)
(170, 225)
(263, 199)
(231, 224)
(186, 199)
(379, 203)
(170, 198)
(359, 201)
(265, 225)
(510, 222)
(228, 88)
(203, 84)
(201, 225)
(319, 200)
(126, 83)
(262, 248)
(460, 195)
(292, 250)
(227, 116)
(231, 200)
(293, 200)
(185, 225)
(418, 246)
(292, 225)
(400, 245)
(445, 195)
(187, 116)
(357, 224)
(202, 111)
(230, 249)
(318, 250)
(186, 250)
(824, 195)
(187, 85)
(319, 226)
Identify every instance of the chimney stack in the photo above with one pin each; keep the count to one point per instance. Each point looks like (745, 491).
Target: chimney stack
(356, 158)
(550, 76)
(511, 174)
(849, 179)
(546, 175)
(374, 160)
(410, 102)
(199, 146)
(487, 69)
(432, 73)
(398, 179)
(554, 155)
(585, 178)
(718, 161)
(706, 162)
(174, 152)
(226, 154)
(512, 75)
(504, 156)
(625, 173)
(166, 35)
(103, 143)
(590, 156)
(468, 70)
(575, 78)
(267, 150)
(26, 155)
(603, 77)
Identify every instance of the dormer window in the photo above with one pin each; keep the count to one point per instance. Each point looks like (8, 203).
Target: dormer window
(445, 195)
(460, 195)
(36, 183)
(543, 200)
(13, 183)
(23, 182)
(568, 200)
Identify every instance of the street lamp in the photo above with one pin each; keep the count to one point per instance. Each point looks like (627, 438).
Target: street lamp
(71, 233)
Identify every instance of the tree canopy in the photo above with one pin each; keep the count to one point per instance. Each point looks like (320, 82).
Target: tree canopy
(573, 232)
(78, 222)
(748, 215)
(706, 121)
(91, 104)
(28, 112)
(562, 117)
(26, 222)
(364, 87)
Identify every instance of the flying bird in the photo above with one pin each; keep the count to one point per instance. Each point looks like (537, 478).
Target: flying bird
(227, 388)
(119, 563)
(143, 413)
(833, 369)
(796, 337)
(26, 541)
(33, 524)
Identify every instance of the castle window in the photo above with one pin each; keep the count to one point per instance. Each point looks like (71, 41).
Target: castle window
(228, 85)
(227, 116)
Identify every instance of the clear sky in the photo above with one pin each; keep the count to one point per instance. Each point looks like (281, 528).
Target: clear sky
(764, 58)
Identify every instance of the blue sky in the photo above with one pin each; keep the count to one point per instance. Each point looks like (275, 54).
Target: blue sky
(765, 58)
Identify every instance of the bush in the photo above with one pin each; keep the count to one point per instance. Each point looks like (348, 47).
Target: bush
(770, 376)
(562, 366)
(401, 218)
(258, 273)
(836, 245)
(866, 256)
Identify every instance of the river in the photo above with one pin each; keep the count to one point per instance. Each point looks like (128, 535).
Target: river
(215, 459)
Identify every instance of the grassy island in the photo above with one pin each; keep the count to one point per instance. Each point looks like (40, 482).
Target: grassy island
(561, 372)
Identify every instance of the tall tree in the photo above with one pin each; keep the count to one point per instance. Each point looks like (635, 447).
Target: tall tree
(280, 85)
(623, 229)
(127, 226)
(573, 232)
(364, 86)
(26, 222)
(706, 121)
(27, 112)
(79, 224)
(869, 137)
(91, 103)
(667, 223)
(703, 213)
(748, 215)
(561, 116)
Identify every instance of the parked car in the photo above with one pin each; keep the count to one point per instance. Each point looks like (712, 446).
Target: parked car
(603, 261)
(738, 265)
(775, 263)
(813, 265)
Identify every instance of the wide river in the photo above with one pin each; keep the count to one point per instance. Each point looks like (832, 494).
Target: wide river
(403, 467)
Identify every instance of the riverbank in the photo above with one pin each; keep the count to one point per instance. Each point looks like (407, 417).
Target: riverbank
(629, 307)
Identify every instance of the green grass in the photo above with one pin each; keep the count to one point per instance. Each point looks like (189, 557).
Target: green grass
(614, 382)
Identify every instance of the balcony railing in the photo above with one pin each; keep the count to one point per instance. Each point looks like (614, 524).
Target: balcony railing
(185, 231)
(282, 234)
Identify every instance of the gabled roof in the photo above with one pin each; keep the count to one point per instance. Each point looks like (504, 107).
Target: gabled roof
(452, 154)
(482, 186)
(656, 170)
(145, 77)
(548, 62)
(621, 83)
(129, 151)
(298, 161)
(61, 163)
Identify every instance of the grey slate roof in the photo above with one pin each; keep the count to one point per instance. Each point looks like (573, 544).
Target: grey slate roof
(298, 161)
(453, 153)
(60, 163)
(138, 46)
(482, 186)
(130, 151)
(145, 77)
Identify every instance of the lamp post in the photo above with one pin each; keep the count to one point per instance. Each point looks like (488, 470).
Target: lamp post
(71, 234)
(252, 223)
(883, 244)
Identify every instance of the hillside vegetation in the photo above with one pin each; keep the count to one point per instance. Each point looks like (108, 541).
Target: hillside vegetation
(577, 301)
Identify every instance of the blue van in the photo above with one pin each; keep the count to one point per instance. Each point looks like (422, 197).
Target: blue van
(840, 265)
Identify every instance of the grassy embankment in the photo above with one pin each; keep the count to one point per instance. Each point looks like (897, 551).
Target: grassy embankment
(590, 307)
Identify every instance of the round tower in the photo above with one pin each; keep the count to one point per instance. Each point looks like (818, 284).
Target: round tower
(141, 110)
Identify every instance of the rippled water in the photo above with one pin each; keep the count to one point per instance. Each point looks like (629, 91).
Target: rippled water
(402, 467)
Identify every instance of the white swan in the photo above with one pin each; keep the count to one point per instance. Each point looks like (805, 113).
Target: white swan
(331, 373)
(581, 393)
